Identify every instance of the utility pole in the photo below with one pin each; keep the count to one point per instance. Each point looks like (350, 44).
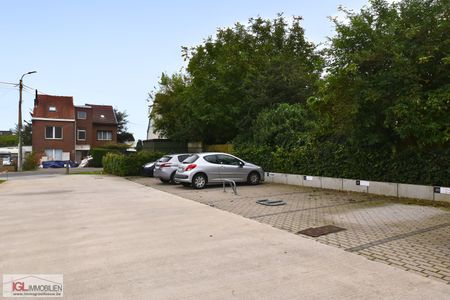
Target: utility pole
(19, 156)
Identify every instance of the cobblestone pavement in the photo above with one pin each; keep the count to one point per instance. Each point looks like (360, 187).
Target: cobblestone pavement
(411, 237)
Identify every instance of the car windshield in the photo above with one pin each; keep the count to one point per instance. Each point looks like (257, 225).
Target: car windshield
(165, 158)
(190, 159)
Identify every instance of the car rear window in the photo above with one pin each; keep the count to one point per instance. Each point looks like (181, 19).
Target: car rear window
(165, 158)
(191, 159)
(183, 157)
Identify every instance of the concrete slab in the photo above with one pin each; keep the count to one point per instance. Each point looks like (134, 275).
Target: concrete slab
(442, 197)
(383, 188)
(332, 183)
(278, 178)
(415, 191)
(294, 179)
(350, 185)
(114, 239)
(312, 181)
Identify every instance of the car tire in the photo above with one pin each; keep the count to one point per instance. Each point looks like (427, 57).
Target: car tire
(172, 178)
(199, 181)
(253, 178)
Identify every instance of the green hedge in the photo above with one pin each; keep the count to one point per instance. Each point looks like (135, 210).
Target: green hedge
(98, 153)
(128, 165)
(427, 166)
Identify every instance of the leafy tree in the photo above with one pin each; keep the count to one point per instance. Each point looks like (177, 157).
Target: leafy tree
(173, 109)
(388, 76)
(8, 140)
(286, 126)
(27, 134)
(122, 134)
(233, 76)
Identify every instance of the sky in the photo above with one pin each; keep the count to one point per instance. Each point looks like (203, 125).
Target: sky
(113, 52)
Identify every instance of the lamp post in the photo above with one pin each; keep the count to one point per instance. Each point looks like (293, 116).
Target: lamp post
(19, 158)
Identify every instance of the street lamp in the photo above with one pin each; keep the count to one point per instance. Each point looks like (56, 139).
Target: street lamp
(19, 158)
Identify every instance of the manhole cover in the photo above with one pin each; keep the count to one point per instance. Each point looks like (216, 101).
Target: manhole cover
(269, 202)
(318, 231)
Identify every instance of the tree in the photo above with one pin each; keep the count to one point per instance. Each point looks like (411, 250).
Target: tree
(388, 76)
(8, 140)
(235, 75)
(122, 134)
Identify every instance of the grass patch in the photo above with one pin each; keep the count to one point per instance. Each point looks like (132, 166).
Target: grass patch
(88, 173)
(1, 181)
(439, 204)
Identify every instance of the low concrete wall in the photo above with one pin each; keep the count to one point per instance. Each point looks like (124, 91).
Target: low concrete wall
(383, 188)
(415, 191)
(312, 181)
(363, 186)
(350, 185)
(294, 179)
(442, 197)
(332, 183)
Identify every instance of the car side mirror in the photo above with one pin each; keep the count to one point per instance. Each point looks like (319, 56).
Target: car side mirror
(241, 164)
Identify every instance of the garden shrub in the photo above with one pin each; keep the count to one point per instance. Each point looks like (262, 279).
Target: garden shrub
(128, 165)
(31, 162)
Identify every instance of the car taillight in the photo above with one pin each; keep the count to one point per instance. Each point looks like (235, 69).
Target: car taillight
(190, 167)
(164, 165)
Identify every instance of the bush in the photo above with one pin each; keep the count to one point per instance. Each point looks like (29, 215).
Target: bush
(98, 153)
(427, 166)
(31, 162)
(8, 140)
(128, 165)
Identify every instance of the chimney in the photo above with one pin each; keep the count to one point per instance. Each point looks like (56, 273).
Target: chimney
(36, 101)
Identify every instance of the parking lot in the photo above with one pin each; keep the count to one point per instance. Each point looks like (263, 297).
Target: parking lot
(411, 237)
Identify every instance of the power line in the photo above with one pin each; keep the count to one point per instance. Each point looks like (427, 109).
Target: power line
(11, 83)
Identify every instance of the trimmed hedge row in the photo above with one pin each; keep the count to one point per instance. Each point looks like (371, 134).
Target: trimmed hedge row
(128, 165)
(427, 166)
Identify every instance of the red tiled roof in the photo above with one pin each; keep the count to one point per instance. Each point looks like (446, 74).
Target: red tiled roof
(63, 107)
(103, 114)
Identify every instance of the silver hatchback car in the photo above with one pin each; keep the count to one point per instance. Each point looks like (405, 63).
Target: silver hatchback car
(201, 169)
(167, 165)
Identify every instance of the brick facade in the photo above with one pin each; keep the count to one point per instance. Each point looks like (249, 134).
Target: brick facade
(53, 112)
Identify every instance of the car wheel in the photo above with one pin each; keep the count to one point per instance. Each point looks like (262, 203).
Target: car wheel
(172, 178)
(164, 180)
(253, 178)
(199, 181)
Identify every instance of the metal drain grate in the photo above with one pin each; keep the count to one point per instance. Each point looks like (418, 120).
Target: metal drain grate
(323, 230)
(269, 202)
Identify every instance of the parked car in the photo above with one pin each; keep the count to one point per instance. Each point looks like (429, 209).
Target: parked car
(148, 168)
(167, 165)
(208, 168)
(58, 164)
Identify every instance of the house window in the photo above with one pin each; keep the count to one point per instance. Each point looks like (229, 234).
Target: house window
(52, 108)
(53, 132)
(81, 135)
(54, 154)
(104, 135)
(81, 115)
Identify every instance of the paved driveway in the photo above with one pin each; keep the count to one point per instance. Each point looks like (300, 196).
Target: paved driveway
(114, 239)
(410, 237)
